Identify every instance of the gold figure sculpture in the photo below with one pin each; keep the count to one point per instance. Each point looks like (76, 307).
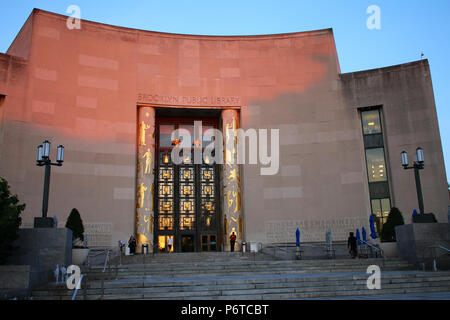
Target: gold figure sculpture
(229, 199)
(149, 222)
(141, 195)
(237, 196)
(142, 132)
(148, 161)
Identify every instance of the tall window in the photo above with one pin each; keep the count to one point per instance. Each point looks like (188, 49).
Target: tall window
(376, 165)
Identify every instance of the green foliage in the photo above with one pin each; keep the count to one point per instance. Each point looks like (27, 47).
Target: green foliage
(10, 220)
(75, 224)
(394, 219)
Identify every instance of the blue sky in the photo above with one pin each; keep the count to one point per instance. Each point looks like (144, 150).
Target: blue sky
(408, 28)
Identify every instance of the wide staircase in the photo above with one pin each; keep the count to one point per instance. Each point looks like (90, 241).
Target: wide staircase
(246, 276)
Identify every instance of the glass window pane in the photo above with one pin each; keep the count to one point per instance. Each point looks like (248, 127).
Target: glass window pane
(376, 167)
(376, 207)
(371, 122)
(385, 207)
(207, 139)
(190, 131)
(165, 132)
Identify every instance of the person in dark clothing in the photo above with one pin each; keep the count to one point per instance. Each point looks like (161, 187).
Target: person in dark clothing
(352, 245)
(232, 241)
(132, 245)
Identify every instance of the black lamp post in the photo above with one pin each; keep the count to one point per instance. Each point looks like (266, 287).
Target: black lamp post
(43, 159)
(418, 165)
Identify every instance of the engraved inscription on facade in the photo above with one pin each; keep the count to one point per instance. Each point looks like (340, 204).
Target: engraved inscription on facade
(98, 234)
(281, 231)
(189, 100)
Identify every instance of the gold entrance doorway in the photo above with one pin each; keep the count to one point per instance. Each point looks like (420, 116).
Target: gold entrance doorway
(187, 210)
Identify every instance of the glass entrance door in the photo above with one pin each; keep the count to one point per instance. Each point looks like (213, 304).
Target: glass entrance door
(185, 194)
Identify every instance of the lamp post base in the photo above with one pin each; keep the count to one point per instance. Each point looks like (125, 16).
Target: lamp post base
(40, 222)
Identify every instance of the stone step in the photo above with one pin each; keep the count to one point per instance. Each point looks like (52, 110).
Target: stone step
(266, 286)
(124, 274)
(287, 293)
(244, 265)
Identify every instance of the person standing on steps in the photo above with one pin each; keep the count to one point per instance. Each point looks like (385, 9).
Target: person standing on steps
(232, 241)
(132, 245)
(352, 245)
(170, 244)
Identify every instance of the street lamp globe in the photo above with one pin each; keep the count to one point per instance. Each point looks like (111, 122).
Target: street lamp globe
(419, 153)
(40, 152)
(404, 158)
(46, 153)
(60, 154)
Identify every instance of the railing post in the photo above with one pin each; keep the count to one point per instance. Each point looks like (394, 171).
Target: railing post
(85, 287)
(103, 285)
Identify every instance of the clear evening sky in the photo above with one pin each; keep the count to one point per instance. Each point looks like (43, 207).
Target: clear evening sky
(408, 28)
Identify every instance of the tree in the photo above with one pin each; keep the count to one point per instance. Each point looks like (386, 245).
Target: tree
(10, 220)
(394, 219)
(75, 224)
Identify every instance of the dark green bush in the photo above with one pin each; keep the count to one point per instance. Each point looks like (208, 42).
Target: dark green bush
(75, 224)
(10, 220)
(394, 219)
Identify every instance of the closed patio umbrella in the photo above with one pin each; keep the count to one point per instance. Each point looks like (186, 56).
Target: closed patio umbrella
(373, 234)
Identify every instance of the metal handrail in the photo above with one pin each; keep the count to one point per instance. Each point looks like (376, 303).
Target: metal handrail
(434, 257)
(374, 247)
(74, 296)
(106, 260)
(443, 248)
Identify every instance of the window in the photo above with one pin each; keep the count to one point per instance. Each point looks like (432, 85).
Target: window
(376, 166)
(165, 132)
(380, 209)
(371, 122)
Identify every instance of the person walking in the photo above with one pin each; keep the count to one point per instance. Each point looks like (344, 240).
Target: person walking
(352, 245)
(232, 241)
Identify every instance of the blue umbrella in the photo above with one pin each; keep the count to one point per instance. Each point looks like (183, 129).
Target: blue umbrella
(358, 237)
(373, 234)
(364, 234)
(297, 238)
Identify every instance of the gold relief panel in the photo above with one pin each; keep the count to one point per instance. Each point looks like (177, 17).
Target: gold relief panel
(187, 206)
(186, 190)
(166, 174)
(187, 174)
(207, 174)
(207, 190)
(187, 222)
(165, 222)
(166, 206)
(208, 206)
(165, 190)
